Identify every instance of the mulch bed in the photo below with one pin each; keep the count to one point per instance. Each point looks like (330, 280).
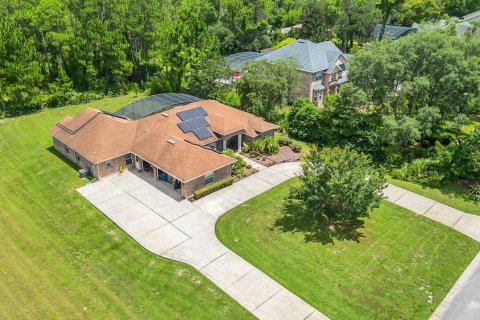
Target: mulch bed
(285, 154)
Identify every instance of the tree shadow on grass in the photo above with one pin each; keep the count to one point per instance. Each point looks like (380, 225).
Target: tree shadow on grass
(297, 218)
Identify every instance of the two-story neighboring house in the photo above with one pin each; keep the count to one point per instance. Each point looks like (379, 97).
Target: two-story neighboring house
(323, 67)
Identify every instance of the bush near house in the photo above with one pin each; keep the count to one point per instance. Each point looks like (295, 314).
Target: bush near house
(267, 145)
(213, 187)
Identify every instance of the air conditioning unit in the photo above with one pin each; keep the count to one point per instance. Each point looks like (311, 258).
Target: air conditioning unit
(83, 173)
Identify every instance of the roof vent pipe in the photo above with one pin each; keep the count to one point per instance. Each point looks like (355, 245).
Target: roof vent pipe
(165, 114)
(171, 141)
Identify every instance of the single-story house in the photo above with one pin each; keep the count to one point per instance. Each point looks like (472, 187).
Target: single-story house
(322, 66)
(181, 146)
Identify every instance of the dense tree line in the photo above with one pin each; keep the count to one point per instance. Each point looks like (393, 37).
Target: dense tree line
(54, 52)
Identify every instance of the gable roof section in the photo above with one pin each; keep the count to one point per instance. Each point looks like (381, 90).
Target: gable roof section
(100, 138)
(312, 57)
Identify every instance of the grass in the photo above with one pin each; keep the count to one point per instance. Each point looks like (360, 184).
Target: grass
(453, 194)
(401, 268)
(60, 257)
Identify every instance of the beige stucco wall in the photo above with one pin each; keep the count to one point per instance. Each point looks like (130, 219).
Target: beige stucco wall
(191, 186)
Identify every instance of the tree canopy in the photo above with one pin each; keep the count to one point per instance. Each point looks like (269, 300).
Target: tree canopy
(338, 186)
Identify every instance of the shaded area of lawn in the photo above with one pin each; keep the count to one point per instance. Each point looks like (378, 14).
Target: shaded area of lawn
(401, 267)
(60, 257)
(452, 194)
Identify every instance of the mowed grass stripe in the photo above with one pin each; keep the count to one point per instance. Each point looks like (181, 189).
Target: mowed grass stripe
(30, 275)
(70, 259)
(400, 269)
(29, 226)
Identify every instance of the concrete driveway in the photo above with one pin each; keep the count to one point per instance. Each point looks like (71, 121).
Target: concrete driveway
(180, 230)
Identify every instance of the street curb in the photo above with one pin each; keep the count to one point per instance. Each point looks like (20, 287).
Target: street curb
(457, 287)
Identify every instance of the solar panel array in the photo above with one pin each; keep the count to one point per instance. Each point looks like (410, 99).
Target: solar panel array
(154, 104)
(193, 121)
(235, 61)
(192, 124)
(202, 133)
(192, 113)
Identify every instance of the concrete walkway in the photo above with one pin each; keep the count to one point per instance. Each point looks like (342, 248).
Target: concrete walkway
(465, 223)
(184, 231)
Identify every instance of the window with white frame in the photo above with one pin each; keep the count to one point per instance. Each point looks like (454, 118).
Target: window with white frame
(67, 150)
(318, 76)
(77, 156)
(333, 77)
(208, 178)
(317, 95)
(109, 163)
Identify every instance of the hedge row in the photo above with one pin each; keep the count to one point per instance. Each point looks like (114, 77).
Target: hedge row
(212, 187)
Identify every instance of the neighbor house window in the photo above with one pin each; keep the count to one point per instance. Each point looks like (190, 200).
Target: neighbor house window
(209, 178)
(128, 158)
(67, 150)
(334, 77)
(318, 76)
(77, 156)
(317, 95)
(109, 163)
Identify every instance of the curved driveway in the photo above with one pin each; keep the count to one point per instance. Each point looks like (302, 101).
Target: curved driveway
(180, 230)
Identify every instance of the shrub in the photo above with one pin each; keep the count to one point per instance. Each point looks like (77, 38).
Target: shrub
(239, 162)
(474, 190)
(267, 145)
(212, 188)
(297, 148)
(420, 170)
(284, 43)
(284, 142)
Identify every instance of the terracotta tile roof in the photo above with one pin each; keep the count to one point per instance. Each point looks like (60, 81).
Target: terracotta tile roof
(98, 136)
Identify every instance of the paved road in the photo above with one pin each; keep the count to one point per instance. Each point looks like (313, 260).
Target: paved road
(466, 301)
(157, 218)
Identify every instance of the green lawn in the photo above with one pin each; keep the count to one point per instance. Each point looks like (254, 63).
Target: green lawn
(452, 194)
(401, 268)
(61, 258)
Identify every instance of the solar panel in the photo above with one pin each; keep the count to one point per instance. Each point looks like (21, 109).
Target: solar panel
(202, 133)
(192, 113)
(192, 124)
